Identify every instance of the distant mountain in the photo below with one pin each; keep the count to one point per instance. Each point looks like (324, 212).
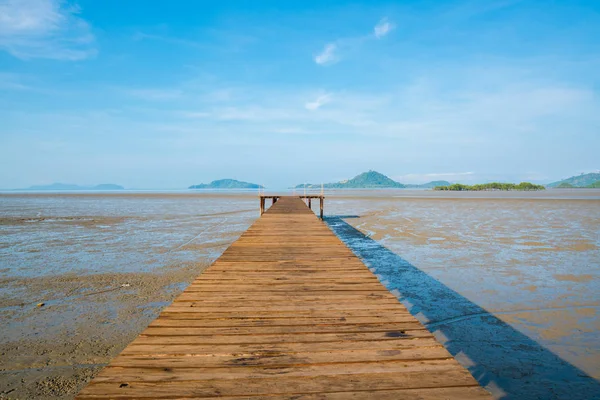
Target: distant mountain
(428, 185)
(226, 184)
(366, 180)
(582, 180)
(70, 186)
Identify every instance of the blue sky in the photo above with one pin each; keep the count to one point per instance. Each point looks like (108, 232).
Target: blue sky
(153, 94)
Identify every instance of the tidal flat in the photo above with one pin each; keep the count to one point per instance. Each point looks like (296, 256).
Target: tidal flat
(508, 281)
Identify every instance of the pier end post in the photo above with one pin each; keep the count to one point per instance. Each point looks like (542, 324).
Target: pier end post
(321, 203)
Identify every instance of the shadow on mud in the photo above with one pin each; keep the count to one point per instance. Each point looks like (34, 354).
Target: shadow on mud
(502, 359)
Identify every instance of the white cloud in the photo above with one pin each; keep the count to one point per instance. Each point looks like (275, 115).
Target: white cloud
(328, 55)
(382, 28)
(44, 29)
(320, 101)
(331, 52)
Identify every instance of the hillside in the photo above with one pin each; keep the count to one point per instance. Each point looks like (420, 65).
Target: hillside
(564, 185)
(226, 184)
(366, 180)
(582, 180)
(594, 185)
(70, 186)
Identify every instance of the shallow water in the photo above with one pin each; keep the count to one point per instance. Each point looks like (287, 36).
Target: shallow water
(526, 264)
(56, 234)
(520, 277)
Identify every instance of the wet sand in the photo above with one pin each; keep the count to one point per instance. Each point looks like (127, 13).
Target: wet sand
(81, 275)
(519, 275)
(105, 264)
(63, 329)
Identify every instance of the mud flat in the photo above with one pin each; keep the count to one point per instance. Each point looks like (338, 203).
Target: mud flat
(509, 282)
(81, 275)
(60, 330)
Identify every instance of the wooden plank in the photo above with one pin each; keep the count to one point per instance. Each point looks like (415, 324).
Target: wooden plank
(198, 320)
(186, 329)
(137, 348)
(281, 359)
(194, 372)
(278, 385)
(447, 393)
(286, 311)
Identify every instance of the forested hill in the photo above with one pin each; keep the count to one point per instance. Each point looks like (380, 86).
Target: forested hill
(366, 180)
(582, 180)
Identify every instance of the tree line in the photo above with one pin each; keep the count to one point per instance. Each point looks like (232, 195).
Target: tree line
(492, 186)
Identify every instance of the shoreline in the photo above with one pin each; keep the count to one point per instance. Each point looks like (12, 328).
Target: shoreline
(430, 194)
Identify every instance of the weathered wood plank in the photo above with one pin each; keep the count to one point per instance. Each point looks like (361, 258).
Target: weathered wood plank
(137, 348)
(282, 385)
(281, 359)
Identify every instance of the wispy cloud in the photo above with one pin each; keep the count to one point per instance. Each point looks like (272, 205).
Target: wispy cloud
(331, 53)
(382, 28)
(44, 29)
(328, 55)
(10, 81)
(318, 102)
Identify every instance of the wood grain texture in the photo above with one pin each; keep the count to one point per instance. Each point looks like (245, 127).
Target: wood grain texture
(287, 311)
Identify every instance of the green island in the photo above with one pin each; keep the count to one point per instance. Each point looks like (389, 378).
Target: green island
(226, 184)
(366, 180)
(491, 186)
(371, 180)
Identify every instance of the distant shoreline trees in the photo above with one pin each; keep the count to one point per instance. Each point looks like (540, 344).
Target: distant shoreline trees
(491, 186)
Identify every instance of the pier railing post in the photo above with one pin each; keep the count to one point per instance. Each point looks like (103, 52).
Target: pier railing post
(262, 205)
(309, 204)
(321, 202)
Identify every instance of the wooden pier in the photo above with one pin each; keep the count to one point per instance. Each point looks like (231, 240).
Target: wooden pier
(288, 311)
(307, 197)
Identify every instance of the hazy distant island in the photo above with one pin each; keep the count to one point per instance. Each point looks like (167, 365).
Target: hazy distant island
(492, 186)
(70, 186)
(591, 180)
(226, 184)
(370, 180)
(428, 185)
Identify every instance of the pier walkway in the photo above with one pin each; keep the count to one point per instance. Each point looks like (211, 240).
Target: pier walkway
(288, 311)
